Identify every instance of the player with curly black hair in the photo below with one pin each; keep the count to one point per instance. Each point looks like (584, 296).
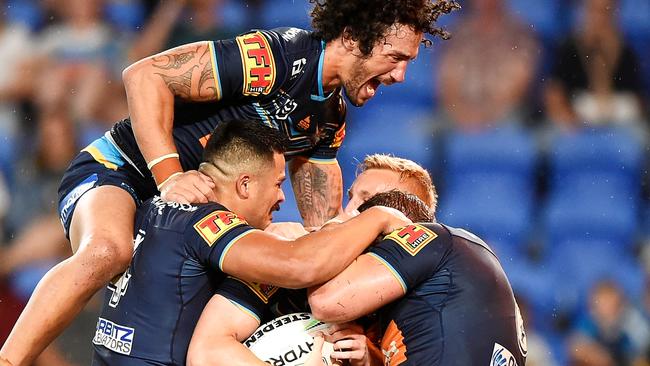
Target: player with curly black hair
(379, 33)
(286, 78)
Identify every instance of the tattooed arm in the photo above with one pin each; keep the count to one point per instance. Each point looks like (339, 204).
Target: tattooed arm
(318, 189)
(152, 84)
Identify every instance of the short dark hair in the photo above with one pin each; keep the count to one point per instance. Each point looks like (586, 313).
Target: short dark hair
(409, 204)
(239, 140)
(368, 21)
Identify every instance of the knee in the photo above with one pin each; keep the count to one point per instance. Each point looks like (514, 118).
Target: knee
(104, 259)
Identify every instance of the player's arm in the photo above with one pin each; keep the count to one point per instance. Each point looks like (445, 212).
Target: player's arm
(403, 259)
(318, 188)
(363, 287)
(185, 72)
(311, 259)
(218, 335)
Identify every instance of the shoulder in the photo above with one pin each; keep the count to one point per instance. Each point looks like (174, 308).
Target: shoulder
(462, 234)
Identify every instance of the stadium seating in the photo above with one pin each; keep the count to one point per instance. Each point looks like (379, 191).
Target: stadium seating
(594, 186)
(489, 185)
(395, 128)
(283, 13)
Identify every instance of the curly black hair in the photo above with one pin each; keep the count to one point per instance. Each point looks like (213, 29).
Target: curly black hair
(367, 21)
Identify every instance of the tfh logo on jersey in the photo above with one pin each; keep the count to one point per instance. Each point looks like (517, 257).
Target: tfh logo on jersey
(216, 224)
(257, 63)
(412, 238)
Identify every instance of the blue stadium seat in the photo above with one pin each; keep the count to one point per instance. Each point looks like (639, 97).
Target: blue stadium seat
(579, 264)
(546, 18)
(286, 13)
(386, 128)
(419, 87)
(27, 12)
(603, 156)
(489, 185)
(595, 186)
(591, 214)
(125, 15)
(634, 17)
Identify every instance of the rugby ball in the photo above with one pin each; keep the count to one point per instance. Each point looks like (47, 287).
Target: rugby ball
(288, 340)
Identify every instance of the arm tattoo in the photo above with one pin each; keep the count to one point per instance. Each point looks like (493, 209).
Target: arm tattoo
(180, 85)
(178, 72)
(207, 89)
(174, 60)
(318, 193)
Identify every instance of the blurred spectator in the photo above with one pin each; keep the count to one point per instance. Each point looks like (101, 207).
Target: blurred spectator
(539, 352)
(15, 85)
(177, 22)
(33, 223)
(487, 67)
(596, 77)
(33, 219)
(606, 335)
(79, 80)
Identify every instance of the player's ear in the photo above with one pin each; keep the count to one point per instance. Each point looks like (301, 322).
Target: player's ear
(243, 185)
(348, 40)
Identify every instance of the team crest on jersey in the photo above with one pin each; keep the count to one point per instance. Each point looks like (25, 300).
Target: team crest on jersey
(502, 357)
(258, 65)
(263, 291)
(412, 238)
(216, 224)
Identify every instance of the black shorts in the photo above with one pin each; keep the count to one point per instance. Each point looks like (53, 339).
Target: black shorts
(100, 164)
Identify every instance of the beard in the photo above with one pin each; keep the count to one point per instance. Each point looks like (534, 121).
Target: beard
(359, 74)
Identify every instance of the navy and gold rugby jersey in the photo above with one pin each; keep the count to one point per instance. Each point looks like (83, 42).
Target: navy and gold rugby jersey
(149, 313)
(274, 77)
(458, 307)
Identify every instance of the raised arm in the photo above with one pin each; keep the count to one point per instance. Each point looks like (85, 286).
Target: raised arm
(311, 259)
(318, 188)
(152, 84)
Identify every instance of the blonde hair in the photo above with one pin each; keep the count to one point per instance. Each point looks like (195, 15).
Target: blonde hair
(408, 170)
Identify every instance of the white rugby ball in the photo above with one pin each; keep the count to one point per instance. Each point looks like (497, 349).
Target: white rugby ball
(288, 340)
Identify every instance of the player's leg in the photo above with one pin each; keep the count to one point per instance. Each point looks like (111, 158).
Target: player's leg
(101, 233)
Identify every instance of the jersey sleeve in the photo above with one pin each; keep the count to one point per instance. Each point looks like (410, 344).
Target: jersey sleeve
(250, 297)
(332, 132)
(411, 253)
(250, 65)
(212, 233)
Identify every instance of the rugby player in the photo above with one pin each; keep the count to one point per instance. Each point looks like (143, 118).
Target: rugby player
(220, 345)
(441, 295)
(287, 78)
(183, 251)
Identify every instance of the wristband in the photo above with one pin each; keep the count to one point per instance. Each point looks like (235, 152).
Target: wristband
(163, 167)
(161, 158)
(166, 180)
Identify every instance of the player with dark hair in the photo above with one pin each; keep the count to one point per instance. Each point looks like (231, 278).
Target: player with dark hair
(286, 78)
(408, 204)
(441, 296)
(183, 252)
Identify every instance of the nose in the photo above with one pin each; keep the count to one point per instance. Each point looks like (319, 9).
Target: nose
(399, 72)
(281, 197)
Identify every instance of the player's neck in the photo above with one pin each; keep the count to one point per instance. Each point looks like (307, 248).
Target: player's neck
(332, 64)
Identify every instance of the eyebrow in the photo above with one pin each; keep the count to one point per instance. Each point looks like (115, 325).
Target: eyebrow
(402, 55)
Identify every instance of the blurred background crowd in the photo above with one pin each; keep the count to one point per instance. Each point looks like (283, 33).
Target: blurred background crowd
(533, 120)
